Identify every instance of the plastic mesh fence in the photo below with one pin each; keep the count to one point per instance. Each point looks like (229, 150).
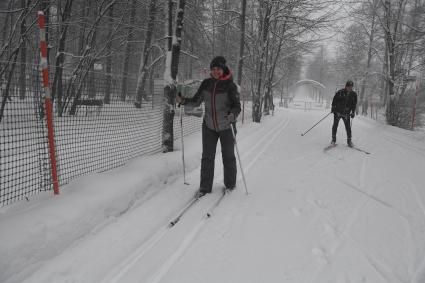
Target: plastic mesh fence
(24, 163)
(96, 129)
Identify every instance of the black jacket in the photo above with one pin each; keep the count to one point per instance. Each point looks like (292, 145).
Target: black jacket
(344, 102)
(221, 97)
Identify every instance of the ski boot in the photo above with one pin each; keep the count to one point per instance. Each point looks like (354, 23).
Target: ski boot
(228, 189)
(201, 192)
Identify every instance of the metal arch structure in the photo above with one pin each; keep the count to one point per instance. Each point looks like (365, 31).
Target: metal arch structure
(318, 93)
(313, 83)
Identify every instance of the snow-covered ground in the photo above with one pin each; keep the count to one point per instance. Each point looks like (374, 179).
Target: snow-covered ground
(310, 215)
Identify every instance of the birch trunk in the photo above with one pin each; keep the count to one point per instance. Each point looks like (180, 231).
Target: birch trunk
(170, 76)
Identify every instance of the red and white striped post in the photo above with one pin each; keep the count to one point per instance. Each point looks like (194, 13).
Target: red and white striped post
(48, 100)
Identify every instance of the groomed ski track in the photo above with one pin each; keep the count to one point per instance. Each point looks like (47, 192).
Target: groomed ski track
(206, 206)
(311, 216)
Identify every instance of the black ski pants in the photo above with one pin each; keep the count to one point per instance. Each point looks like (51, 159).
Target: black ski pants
(209, 146)
(346, 119)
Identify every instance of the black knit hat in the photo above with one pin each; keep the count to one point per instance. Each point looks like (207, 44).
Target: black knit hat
(349, 83)
(219, 62)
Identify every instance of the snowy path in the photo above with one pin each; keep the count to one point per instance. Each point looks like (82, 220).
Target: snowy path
(342, 216)
(311, 216)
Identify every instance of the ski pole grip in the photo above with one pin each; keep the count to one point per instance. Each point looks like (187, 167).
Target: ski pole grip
(179, 94)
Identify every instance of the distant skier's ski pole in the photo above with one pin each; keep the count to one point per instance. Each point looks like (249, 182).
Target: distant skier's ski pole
(239, 158)
(303, 134)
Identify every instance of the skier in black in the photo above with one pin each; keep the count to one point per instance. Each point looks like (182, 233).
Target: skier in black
(344, 106)
(222, 106)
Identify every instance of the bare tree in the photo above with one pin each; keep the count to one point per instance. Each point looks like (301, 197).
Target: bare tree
(391, 24)
(57, 85)
(370, 14)
(130, 36)
(241, 52)
(170, 74)
(23, 52)
(108, 68)
(143, 69)
(87, 59)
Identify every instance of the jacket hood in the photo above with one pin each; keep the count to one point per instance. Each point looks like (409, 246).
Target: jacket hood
(227, 75)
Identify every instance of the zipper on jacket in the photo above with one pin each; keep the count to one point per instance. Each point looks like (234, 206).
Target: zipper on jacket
(215, 123)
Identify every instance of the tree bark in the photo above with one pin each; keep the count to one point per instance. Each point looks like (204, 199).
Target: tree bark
(391, 28)
(241, 53)
(263, 36)
(170, 75)
(45, 7)
(23, 53)
(57, 85)
(124, 86)
(91, 79)
(143, 70)
(108, 68)
(369, 59)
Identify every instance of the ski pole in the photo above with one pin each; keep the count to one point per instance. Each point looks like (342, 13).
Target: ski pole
(239, 158)
(181, 136)
(316, 124)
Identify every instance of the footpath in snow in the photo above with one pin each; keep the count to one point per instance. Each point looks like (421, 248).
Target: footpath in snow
(311, 215)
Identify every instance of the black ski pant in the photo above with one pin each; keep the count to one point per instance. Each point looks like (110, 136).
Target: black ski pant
(209, 146)
(346, 119)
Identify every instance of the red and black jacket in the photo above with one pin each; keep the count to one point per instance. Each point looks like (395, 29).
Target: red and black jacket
(220, 97)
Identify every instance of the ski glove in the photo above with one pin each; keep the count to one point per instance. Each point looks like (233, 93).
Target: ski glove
(179, 99)
(352, 115)
(231, 118)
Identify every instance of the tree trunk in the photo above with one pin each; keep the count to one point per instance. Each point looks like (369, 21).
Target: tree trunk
(91, 79)
(170, 75)
(143, 71)
(7, 89)
(241, 53)
(57, 85)
(392, 24)
(384, 81)
(23, 52)
(263, 35)
(124, 84)
(223, 38)
(45, 7)
(5, 23)
(269, 93)
(369, 59)
(87, 59)
(108, 68)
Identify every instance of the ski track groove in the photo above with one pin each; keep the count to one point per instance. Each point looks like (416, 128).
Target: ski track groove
(343, 235)
(163, 270)
(376, 199)
(418, 197)
(384, 270)
(128, 263)
(132, 259)
(420, 270)
(362, 176)
(404, 145)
